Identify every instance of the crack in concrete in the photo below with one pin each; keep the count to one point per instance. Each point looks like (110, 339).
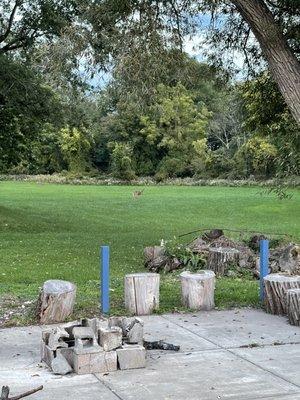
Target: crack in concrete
(107, 386)
(230, 350)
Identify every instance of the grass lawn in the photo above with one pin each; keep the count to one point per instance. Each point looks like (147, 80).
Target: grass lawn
(54, 231)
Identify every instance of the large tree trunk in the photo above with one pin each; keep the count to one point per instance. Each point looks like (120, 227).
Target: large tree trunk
(283, 64)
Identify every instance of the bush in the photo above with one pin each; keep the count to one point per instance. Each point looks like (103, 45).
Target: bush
(122, 165)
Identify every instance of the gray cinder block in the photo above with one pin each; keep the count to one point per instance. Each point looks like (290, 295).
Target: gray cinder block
(110, 338)
(131, 356)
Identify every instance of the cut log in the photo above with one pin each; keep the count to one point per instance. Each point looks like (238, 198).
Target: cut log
(198, 289)
(220, 258)
(276, 287)
(293, 306)
(142, 293)
(56, 301)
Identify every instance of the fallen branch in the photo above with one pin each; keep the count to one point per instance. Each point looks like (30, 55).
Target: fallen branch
(235, 230)
(5, 393)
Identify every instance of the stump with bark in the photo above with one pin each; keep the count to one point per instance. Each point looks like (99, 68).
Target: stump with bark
(197, 289)
(56, 301)
(142, 293)
(293, 306)
(220, 258)
(276, 287)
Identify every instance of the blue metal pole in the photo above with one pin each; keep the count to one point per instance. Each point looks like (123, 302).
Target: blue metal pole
(264, 265)
(104, 278)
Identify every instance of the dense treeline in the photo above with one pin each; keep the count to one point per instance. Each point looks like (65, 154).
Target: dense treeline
(187, 122)
(159, 112)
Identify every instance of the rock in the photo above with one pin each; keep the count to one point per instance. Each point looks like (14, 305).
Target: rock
(60, 365)
(110, 338)
(131, 356)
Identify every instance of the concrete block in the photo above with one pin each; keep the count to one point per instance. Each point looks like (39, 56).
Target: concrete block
(56, 338)
(47, 355)
(104, 361)
(115, 321)
(110, 338)
(131, 356)
(91, 323)
(82, 363)
(60, 365)
(85, 340)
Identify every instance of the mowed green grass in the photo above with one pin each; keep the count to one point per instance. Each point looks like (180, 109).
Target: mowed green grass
(54, 232)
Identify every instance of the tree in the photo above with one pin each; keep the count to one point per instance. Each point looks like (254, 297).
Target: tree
(167, 22)
(283, 64)
(177, 126)
(24, 22)
(26, 105)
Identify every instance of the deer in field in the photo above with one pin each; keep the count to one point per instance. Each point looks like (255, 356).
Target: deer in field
(137, 193)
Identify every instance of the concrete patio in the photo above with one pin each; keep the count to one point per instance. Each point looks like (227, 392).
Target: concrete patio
(236, 354)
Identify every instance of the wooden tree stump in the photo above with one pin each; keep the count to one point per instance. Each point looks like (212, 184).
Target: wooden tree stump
(276, 287)
(293, 306)
(56, 301)
(219, 258)
(198, 289)
(142, 293)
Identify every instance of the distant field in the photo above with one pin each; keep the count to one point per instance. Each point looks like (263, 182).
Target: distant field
(54, 231)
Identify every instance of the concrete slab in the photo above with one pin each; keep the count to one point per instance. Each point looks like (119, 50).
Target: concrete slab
(205, 375)
(211, 364)
(62, 388)
(283, 361)
(234, 328)
(158, 328)
(19, 347)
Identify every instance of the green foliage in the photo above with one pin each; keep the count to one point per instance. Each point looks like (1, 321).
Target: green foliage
(25, 106)
(267, 114)
(176, 125)
(122, 166)
(257, 156)
(75, 147)
(176, 249)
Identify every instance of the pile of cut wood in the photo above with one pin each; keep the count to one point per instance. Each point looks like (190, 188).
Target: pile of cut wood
(223, 254)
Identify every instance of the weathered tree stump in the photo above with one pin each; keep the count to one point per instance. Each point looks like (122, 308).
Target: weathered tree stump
(142, 293)
(276, 287)
(198, 289)
(219, 258)
(56, 301)
(293, 306)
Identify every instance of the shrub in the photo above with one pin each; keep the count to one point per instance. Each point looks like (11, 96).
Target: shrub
(122, 165)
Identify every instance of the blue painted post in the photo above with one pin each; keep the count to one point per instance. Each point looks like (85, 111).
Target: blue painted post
(104, 277)
(264, 265)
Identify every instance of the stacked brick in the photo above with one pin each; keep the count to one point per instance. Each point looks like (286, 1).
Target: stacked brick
(87, 347)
